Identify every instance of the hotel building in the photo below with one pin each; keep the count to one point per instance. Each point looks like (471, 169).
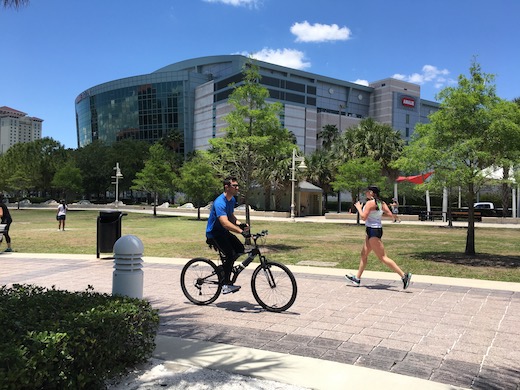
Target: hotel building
(16, 126)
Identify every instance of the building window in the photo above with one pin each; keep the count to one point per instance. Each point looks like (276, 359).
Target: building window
(407, 119)
(407, 132)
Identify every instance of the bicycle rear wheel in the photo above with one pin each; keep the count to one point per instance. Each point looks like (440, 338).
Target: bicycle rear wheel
(200, 281)
(274, 286)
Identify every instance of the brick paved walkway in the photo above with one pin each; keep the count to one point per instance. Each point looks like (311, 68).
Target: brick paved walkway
(462, 336)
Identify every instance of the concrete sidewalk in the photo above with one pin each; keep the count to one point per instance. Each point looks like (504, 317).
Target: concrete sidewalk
(441, 333)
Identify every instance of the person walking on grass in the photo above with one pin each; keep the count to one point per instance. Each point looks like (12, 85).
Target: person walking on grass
(6, 220)
(372, 214)
(395, 210)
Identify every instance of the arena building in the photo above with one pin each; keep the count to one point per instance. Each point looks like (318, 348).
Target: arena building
(190, 97)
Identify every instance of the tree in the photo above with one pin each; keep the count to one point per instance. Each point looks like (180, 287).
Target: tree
(328, 136)
(506, 126)
(174, 140)
(48, 156)
(378, 141)
(96, 167)
(323, 162)
(198, 180)
(356, 174)
(19, 182)
(460, 140)
(321, 171)
(68, 180)
(38, 160)
(254, 137)
(14, 3)
(157, 176)
(131, 155)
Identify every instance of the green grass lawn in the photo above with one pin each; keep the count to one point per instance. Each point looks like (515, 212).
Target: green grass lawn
(423, 250)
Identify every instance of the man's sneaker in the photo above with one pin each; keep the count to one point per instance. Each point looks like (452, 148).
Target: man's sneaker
(406, 280)
(8, 250)
(355, 281)
(229, 288)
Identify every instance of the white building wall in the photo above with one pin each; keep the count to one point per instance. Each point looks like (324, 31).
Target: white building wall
(381, 100)
(16, 126)
(311, 130)
(295, 123)
(203, 116)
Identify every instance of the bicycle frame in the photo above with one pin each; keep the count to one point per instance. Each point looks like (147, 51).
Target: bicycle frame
(237, 269)
(273, 285)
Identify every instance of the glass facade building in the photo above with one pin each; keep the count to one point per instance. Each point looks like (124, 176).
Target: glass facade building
(190, 97)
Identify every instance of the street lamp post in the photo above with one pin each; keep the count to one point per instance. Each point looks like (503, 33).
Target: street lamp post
(118, 176)
(301, 167)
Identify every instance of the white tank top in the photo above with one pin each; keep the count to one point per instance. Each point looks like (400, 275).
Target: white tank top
(374, 217)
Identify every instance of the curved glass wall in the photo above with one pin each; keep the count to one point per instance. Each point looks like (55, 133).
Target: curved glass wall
(144, 108)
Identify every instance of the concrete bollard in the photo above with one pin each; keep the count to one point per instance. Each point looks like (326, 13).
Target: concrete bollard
(128, 263)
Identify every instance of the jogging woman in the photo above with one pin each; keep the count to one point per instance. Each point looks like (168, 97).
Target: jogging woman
(372, 214)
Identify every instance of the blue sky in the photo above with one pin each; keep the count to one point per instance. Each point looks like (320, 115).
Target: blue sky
(55, 49)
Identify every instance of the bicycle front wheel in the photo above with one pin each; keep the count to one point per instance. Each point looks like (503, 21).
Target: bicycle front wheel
(274, 286)
(200, 281)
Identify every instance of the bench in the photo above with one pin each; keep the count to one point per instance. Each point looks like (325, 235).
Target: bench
(456, 215)
(431, 216)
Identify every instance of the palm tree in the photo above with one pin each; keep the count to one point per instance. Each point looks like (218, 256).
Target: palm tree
(15, 3)
(328, 135)
(325, 160)
(320, 172)
(376, 140)
(174, 140)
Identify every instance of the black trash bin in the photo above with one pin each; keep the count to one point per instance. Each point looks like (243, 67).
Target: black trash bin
(108, 230)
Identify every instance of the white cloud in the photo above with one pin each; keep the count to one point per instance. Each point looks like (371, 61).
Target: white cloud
(285, 57)
(237, 3)
(429, 74)
(317, 32)
(361, 82)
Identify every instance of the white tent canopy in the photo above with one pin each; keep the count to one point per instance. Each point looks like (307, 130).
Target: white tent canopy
(496, 173)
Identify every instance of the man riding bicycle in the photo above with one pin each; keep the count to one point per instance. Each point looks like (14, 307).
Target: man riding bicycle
(221, 223)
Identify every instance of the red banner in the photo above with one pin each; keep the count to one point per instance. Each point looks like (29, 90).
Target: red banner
(417, 179)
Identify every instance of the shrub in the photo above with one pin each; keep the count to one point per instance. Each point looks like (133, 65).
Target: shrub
(57, 339)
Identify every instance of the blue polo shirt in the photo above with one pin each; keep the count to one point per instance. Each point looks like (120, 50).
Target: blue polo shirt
(221, 206)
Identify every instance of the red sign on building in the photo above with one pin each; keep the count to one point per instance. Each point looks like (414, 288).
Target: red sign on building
(408, 102)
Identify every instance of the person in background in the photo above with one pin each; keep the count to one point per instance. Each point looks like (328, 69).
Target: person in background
(395, 210)
(221, 223)
(6, 219)
(62, 215)
(372, 214)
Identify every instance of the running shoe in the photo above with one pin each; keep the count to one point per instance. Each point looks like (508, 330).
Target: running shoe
(229, 288)
(355, 281)
(8, 250)
(406, 280)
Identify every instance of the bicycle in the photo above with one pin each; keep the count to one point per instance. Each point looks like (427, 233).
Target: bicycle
(273, 284)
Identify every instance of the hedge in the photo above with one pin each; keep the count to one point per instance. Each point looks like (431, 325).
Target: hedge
(55, 339)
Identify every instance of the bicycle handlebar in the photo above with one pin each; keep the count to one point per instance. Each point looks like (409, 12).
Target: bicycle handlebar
(256, 236)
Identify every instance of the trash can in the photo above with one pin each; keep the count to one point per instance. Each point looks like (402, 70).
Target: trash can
(108, 230)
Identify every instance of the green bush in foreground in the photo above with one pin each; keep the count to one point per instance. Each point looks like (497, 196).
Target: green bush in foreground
(53, 339)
